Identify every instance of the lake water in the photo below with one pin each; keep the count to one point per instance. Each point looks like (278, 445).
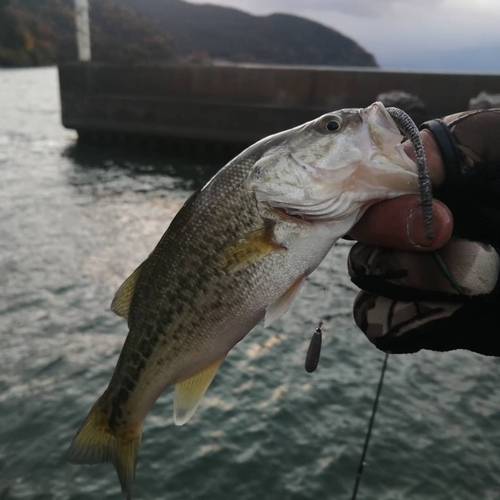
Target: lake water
(74, 223)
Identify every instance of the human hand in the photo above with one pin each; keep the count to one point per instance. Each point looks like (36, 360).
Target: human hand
(398, 223)
(413, 297)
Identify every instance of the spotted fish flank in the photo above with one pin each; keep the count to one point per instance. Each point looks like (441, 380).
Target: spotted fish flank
(238, 251)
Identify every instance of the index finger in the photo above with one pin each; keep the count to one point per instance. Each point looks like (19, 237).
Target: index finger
(399, 223)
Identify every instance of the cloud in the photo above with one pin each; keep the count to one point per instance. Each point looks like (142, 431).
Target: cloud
(359, 8)
(394, 27)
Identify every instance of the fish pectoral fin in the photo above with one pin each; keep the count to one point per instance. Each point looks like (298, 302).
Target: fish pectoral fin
(250, 248)
(275, 310)
(123, 296)
(189, 392)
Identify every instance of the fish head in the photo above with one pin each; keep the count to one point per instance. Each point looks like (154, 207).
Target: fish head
(334, 166)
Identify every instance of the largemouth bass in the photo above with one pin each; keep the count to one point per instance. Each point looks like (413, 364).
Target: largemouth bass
(238, 251)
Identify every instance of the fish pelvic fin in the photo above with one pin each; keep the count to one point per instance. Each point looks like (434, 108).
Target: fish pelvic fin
(250, 248)
(189, 392)
(96, 442)
(123, 296)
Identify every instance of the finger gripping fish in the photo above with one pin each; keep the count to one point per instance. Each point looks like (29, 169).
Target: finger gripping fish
(238, 251)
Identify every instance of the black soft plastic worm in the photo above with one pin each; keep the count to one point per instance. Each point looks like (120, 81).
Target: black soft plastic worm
(408, 128)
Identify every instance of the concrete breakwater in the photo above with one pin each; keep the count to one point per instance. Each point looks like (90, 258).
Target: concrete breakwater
(237, 103)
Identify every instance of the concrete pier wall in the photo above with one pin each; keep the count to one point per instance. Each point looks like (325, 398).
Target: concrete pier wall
(239, 103)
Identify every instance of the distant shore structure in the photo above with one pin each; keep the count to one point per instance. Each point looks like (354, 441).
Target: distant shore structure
(228, 103)
(82, 23)
(236, 103)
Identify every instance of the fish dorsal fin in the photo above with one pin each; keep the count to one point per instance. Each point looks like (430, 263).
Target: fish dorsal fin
(190, 392)
(123, 296)
(275, 310)
(250, 248)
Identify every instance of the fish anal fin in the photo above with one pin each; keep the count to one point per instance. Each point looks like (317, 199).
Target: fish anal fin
(189, 392)
(96, 443)
(250, 248)
(123, 296)
(275, 310)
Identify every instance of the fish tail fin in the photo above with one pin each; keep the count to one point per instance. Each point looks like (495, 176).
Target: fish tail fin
(96, 442)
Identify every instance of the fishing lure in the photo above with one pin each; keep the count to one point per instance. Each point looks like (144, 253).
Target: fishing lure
(408, 128)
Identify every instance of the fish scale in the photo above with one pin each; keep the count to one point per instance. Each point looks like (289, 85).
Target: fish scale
(238, 250)
(182, 279)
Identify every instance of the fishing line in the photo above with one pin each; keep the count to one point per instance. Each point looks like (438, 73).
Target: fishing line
(447, 273)
(314, 349)
(451, 279)
(407, 126)
(409, 129)
(362, 462)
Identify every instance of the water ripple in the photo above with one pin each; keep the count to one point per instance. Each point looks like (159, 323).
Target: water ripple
(74, 223)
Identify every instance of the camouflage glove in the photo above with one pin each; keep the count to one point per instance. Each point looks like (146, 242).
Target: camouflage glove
(449, 299)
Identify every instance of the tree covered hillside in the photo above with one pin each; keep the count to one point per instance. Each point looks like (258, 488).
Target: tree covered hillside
(233, 35)
(42, 32)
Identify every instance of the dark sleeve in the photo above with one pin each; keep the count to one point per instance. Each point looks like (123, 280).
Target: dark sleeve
(475, 327)
(470, 146)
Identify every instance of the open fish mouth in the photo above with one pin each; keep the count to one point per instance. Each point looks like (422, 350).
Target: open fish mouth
(325, 183)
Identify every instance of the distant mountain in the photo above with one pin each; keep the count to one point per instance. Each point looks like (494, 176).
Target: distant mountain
(478, 59)
(232, 35)
(42, 32)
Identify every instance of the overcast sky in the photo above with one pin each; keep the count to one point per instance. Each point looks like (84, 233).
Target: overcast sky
(391, 28)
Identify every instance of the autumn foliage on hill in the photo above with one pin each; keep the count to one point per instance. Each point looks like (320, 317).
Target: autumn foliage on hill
(229, 34)
(42, 32)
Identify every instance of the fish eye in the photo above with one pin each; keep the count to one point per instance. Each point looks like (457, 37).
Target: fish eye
(333, 126)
